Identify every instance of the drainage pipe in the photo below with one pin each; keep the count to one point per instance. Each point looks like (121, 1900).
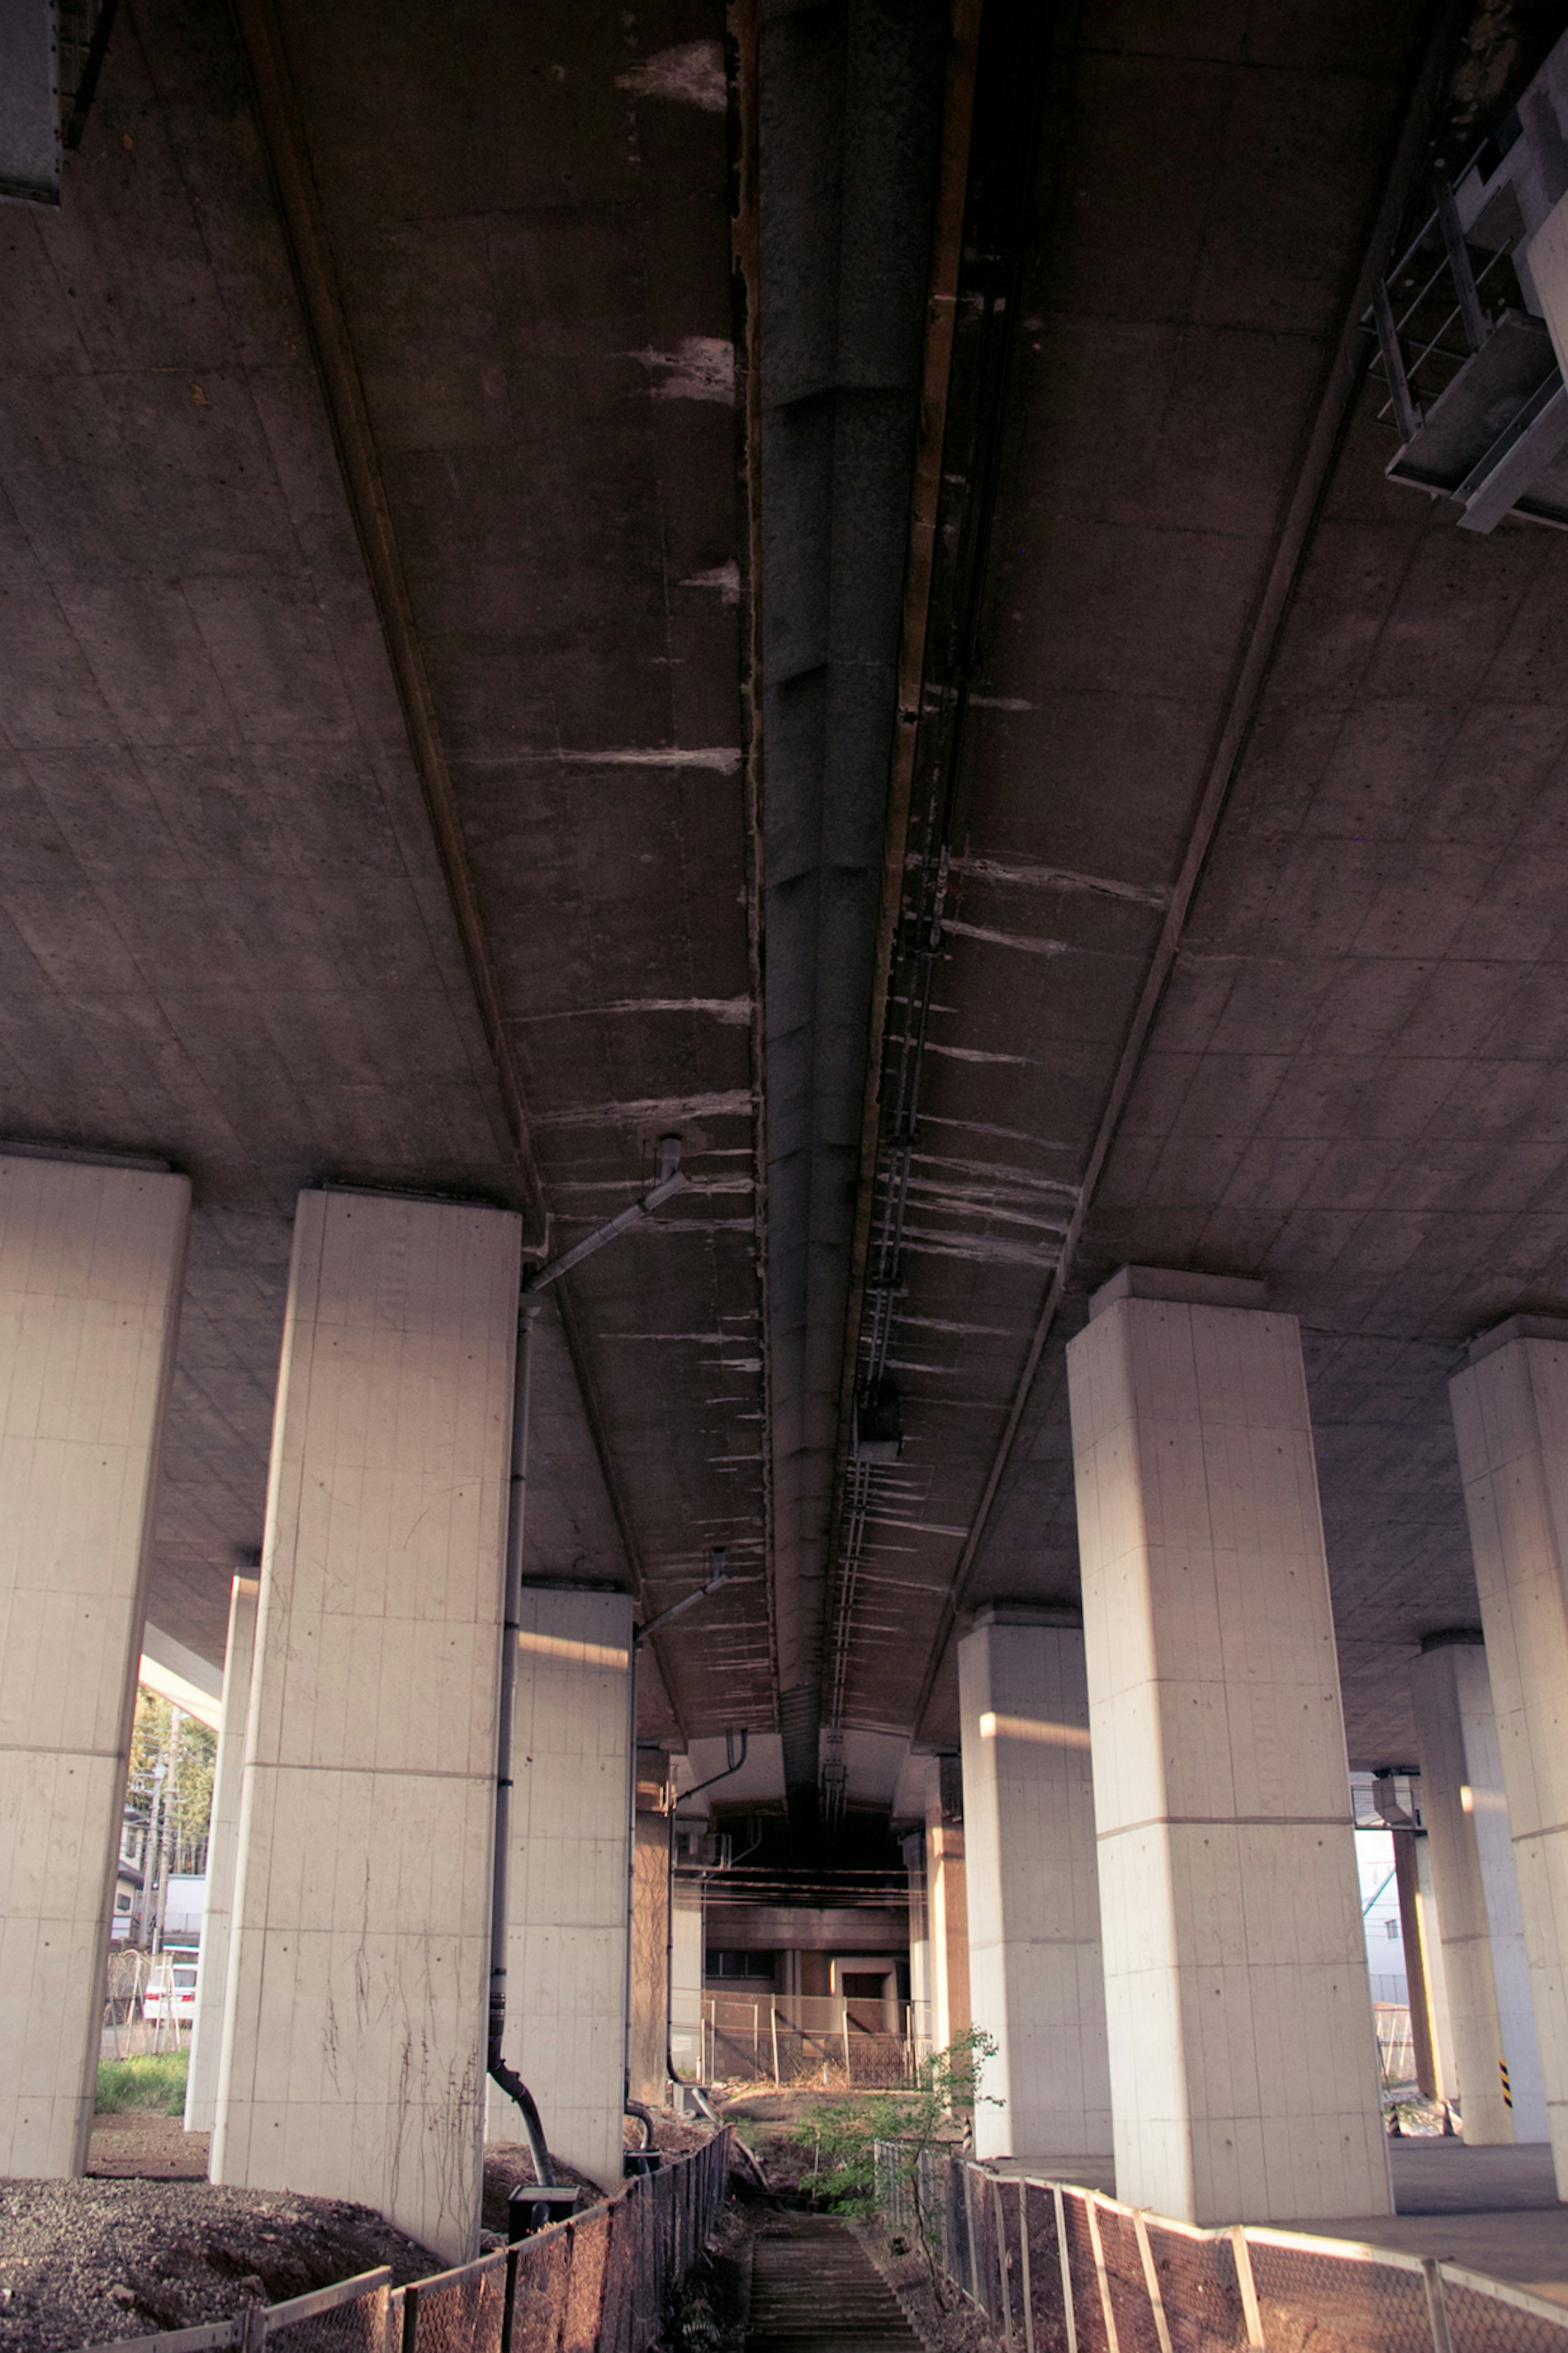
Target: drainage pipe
(671, 1181)
(746, 1739)
(511, 2083)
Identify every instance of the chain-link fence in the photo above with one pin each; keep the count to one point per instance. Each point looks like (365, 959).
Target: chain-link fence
(597, 2283)
(1058, 2269)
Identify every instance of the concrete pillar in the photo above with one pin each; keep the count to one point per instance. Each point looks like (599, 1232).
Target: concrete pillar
(91, 1266)
(571, 1816)
(1431, 1926)
(1511, 1419)
(1035, 1974)
(1395, 1797)
(1243, 2064)
(913, 1847)
(353, 2047)
(1497, 2059)
(649, 2039)
(223, 1855)
(1417, 1973)
(947, 1901)
(686, 2045)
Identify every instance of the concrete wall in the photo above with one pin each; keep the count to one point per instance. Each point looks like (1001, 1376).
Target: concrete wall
(355, 2027)
(90, 1264)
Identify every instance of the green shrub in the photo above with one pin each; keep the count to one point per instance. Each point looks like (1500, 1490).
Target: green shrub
(157, 2084)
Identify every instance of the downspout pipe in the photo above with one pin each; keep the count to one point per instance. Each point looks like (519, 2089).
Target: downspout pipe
(746, 1739)
(511, 2083)
(671, 1182)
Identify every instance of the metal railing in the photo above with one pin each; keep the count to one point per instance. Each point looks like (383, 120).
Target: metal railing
(1430, 314)
(1058, 2269)
(596, 2283)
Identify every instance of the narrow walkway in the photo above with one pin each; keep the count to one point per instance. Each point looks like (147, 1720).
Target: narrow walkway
(813, 2285)
(1494, 2209)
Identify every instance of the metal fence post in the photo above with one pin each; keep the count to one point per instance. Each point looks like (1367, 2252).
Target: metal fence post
(1001, 2213)
(1091, 2215)
(1436, 2307)
(1244, 2281)
(1066, 2268)
(1151, 2279)
(1025, 2278)
(509, 2300)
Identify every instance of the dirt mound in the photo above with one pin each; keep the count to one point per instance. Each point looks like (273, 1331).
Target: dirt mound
(82, 2263)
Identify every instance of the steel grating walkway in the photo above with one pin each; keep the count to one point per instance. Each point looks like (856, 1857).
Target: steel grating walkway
(813, 2286)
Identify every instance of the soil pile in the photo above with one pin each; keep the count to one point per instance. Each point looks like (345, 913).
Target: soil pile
(83, 2262)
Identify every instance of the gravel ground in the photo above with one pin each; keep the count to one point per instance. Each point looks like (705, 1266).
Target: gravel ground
(84, 2263)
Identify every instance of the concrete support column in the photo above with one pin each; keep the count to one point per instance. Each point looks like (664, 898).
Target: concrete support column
(1035, 1974)
(571, 1824)
(353, 2047)
(1510, 1418)
(1436, 1977)
(223, 1855)
(1243, 2065)
(687, 2041)
(947, 1901)
(913, 1848)
(91, 1266)
(1417, 1972)
(649, 2039)
(1495, 2056)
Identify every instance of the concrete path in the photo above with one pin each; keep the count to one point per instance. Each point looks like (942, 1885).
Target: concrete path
(814, 2290)
(1493, 2209)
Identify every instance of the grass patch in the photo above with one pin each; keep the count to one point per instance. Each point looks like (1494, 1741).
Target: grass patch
(155, 2085)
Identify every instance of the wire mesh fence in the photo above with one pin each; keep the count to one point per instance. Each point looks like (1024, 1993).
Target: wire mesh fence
(1058, 2269)
(597, 2283)
(828, 2039)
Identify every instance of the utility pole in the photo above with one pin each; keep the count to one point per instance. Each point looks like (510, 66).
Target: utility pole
(168, 1781)
(149, 1905)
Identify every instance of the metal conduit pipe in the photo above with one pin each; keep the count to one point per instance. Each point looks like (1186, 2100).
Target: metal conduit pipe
(671, 1182)
(733, 1765)
(511, 2083)
(645, 2118)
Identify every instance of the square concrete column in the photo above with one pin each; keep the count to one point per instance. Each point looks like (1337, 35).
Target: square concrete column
(688, 2050)
(571, 1833)
(649, 2037)
(1431, 1939)
(1510, 1418)
(1495, 2056)
(947, 1901)
(223, 1855)
(913, 1848)
(1243, 2065)
(1035, 1974)
(355, 2024)
(91, 1266)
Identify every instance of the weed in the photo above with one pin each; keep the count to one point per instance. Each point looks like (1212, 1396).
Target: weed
(157, 2086)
